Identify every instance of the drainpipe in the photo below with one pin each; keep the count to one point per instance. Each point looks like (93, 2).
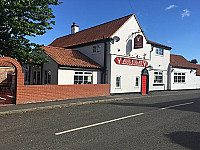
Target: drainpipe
(151, 51)
(105, 61)
(42, 73)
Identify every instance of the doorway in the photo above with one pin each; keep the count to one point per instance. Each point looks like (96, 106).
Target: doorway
(145, 81)
(7, 84)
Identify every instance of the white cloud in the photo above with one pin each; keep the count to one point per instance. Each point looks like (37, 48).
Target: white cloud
(170, 7)
(185, 13)
(169, 41)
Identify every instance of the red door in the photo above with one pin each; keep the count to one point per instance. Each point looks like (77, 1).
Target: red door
(144, 84)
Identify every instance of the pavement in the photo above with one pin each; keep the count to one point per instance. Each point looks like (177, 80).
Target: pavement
(30, 107)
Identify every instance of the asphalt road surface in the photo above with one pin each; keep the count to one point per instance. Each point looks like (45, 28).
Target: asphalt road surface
(157, 123)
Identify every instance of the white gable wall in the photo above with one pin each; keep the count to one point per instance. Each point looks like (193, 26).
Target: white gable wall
(128, 74)
(88, 51)
(125, 35)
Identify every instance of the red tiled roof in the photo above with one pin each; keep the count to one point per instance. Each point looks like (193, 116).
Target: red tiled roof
(96, 33)
(198, 69)
(5, 64)
(69, 57)
(151, 42)
(180, 61)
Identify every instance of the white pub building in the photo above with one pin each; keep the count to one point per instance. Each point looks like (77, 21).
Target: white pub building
(116, 53)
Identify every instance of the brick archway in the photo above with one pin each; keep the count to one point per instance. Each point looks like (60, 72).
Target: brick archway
(19, 74)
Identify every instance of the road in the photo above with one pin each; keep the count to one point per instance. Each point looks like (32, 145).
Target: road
(155, 123)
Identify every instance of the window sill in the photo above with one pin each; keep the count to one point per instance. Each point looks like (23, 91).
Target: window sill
(157, 84)
(179, 83)
(117, 87)
(96, 53)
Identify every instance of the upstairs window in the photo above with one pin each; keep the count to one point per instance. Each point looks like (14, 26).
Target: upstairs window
(179, 77)
(159, 51)
(96, 49)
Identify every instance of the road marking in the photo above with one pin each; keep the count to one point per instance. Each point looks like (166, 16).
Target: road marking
(177, 105)
(97, 124)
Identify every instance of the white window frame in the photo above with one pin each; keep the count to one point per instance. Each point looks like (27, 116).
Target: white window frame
(98, 49)
(118, 86)
(80, 77)
(156, 75)
(180, 77)
(26, 75)
(159, 51)
(36, 80)
(137, 81)
(47, 77)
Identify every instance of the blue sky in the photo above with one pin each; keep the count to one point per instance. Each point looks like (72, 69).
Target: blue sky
(175, 23)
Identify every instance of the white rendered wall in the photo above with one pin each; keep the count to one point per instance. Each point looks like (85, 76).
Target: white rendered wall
(88, 51)
(159, 63)
(128, 76)
(124, 33)
(129, 73)
(53, 66)
(65, 77)
(191, 80)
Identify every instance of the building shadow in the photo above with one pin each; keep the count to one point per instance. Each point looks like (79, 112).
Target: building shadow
(190, 140)
(195, 107)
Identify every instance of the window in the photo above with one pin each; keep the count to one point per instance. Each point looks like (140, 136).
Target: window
(36, 77)
(47, 77)
(159, 51)
(137, 81)
(26, 75)
(158, 77)
(97, 49)
(83, 77)
(179, 77)
(118, 82)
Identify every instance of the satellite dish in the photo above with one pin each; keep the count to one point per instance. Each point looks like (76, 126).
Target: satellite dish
(116, 38)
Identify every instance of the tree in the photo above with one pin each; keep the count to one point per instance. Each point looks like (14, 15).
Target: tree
(194, 61)
(20, 19)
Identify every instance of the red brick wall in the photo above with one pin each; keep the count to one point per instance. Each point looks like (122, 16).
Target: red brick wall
(41, 93)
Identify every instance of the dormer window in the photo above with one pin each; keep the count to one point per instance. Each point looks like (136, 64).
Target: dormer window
(96, 49)
(159, 51)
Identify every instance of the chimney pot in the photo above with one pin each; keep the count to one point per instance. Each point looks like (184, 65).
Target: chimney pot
(74, 28)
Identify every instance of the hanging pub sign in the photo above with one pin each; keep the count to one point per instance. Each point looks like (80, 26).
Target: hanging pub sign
(138, 41)
(130, 62)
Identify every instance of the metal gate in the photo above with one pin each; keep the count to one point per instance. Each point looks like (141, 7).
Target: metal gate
(7, 84)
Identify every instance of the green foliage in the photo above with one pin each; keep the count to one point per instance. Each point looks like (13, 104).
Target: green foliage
(20, 19)
(194, 61)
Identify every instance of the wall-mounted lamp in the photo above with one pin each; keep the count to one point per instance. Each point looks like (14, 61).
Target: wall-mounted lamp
(150, 67)
(115, 39)
(144, 55)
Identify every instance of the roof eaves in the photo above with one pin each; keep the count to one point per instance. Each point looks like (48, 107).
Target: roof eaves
(122, 24)
(158, 44)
